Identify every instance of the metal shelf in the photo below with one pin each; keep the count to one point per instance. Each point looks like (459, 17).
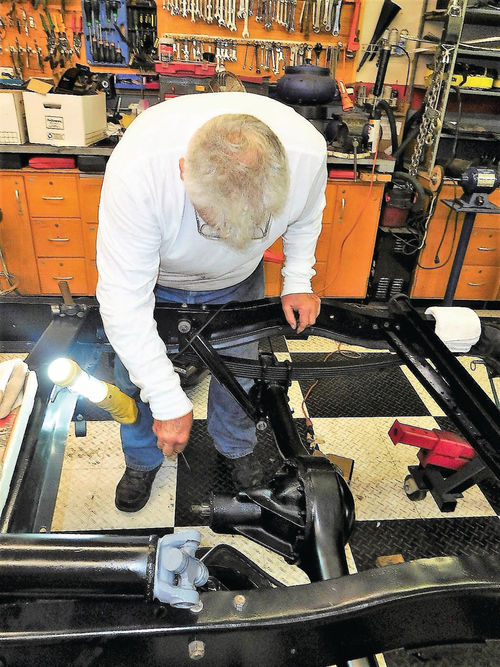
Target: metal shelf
(474, 16)
(484, 54)
(43, 149)
(465, 136)
(489, 92)
(383, 165)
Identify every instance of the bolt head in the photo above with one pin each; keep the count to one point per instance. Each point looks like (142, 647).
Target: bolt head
(261, 425)
(184, 326)
(196, 649)
(239, 602)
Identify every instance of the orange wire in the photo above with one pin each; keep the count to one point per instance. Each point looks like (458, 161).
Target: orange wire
(308, 392)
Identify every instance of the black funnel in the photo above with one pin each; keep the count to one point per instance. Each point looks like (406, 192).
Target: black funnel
(387, 14)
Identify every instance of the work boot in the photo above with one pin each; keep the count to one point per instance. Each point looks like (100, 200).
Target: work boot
(246, 472)
(134, 489)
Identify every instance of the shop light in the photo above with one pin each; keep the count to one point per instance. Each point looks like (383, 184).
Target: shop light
(67, 373)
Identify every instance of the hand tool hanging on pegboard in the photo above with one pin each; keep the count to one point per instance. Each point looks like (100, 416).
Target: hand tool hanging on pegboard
(106, 32)
(142, 33)
(77, 31)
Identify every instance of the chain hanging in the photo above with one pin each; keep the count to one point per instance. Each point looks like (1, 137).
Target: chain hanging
(431, 120)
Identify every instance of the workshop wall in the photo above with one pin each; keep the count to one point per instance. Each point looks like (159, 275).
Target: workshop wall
(407, 20)
(26, 44)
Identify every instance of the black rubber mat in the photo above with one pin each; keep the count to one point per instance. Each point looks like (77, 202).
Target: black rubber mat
(423, 538)
(382, 393)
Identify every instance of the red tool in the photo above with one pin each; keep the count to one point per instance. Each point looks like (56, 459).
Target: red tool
(77, 30)
(438, 448)
(347, 103)
(353, 40)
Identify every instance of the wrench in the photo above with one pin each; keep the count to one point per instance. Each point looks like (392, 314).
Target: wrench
(245, 34)
(336, 20)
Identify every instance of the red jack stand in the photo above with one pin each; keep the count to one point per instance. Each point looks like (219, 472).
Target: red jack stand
(448, 464)
(439, 448)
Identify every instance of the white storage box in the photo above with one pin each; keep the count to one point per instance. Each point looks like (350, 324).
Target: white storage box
(12, 117)
(65, 120)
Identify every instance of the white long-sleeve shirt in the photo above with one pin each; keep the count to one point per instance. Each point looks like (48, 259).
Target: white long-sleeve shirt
(148, 232)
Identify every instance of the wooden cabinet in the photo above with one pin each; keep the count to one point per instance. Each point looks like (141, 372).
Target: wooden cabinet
(57, 230)
(352, 230)
(480, 275)
(54, 222)
(345, 246)
(16, 241)
(47, 234)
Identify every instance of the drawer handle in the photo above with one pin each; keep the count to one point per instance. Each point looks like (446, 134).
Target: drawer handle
(476, 284)
(62, 277)
(342, 209)
(487, 249)
(59, 198)
(18, 199)
(58, 240)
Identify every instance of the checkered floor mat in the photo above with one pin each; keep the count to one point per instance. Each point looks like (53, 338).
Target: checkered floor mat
(351, 416)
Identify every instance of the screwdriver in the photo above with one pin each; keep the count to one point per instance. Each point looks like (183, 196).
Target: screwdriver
(115, 6)
(107, 50)
(95, 11)
(112, 52)
(88, 12)
(100, 48)
(93, 45)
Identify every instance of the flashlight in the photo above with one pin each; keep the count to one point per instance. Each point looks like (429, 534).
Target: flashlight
(67, 373)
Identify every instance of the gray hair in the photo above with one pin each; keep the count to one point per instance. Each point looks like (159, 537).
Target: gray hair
(236, 175)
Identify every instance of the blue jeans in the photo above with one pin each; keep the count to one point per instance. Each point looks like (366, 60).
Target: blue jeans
(232, 431)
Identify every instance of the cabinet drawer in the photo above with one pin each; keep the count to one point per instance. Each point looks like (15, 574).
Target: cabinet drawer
(90, 193)
(478, 282)
(89, 240)
(52, 270)
(53, 195)
(58, 238)
(484, 247)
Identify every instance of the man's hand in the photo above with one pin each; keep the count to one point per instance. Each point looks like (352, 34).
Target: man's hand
(173, 434)
(307, 306)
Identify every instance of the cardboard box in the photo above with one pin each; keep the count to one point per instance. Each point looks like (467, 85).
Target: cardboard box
(37, 85)
(65, 120)
(12, 118)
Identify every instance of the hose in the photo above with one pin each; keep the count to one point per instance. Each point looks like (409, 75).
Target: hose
(382, 104)
(416, 185)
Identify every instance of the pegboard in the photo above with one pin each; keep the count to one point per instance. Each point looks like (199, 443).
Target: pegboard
(27, 46)
(261, 28)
